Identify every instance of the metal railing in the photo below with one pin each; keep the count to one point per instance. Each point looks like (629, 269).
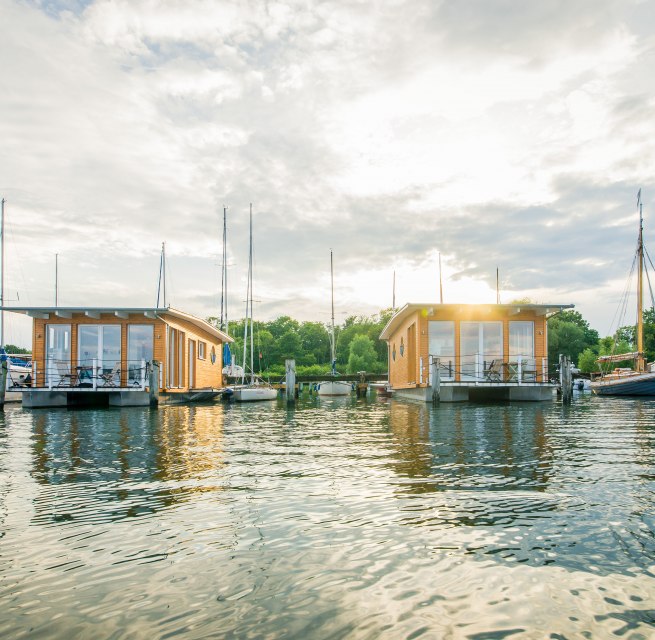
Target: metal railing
(92, 374)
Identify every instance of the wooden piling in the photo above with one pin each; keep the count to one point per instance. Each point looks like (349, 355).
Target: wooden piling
(565, 381)
(3, 382)
(153, 382)
(290, 366)
(436, 381)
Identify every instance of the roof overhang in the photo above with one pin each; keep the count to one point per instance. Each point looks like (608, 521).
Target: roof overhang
(432, 308)
(46, 313)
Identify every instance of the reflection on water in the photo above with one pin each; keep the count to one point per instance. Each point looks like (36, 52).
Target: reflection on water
(335, 518)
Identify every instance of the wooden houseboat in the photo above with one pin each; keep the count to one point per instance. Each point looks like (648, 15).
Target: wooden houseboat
(98, 355)
(470, 352)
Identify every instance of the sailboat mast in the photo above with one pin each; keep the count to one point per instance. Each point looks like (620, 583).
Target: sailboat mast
(2, 277)
(223, 323)
(640, 290)
(332, 298)
(252, 322)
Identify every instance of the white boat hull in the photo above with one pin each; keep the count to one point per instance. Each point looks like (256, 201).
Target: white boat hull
(334, 388)
(254, 394)
(641, 384)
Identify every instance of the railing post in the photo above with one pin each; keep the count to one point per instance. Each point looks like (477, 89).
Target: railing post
(544, 370)
(478, 370)
(519, 366)
(94, 373)
(143, 374)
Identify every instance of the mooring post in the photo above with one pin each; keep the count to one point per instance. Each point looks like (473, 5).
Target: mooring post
(153, 381)
(565, 378)
(290, 366)
(3, 381)
(436, 381)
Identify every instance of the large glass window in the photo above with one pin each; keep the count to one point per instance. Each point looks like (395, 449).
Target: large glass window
(480, 343)
(139, 350)
(58, 352)
(441, 344)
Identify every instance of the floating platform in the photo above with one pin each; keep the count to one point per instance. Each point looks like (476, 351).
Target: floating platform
(483, 392)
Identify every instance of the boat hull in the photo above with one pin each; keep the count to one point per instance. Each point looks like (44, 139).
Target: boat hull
(334, 388)
(254, 394)
(635, 385)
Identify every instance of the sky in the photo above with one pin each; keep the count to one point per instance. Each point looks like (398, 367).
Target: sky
(499, 134)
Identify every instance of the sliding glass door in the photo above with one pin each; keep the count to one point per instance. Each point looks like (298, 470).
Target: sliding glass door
(101, 343)
(480, 343)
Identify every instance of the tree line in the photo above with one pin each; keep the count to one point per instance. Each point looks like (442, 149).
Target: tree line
(358, 347)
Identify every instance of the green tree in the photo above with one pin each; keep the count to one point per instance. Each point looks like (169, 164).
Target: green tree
(565, 338)
(588, 361)
(362, 354)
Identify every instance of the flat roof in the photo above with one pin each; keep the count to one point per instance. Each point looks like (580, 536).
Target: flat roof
(44, 313)
(432, 307)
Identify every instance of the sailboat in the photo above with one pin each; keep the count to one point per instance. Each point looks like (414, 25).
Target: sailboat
(254, 390)
(640, 379)
(333, 387)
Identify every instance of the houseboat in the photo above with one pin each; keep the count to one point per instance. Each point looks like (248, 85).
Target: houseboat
(98, 355)
(470, 352)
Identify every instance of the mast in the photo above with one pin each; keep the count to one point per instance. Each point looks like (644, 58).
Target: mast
(248, 312)
(440, 282)
(640, 290)
(56, 279)
(393, 299)
(332, 349)
(252, 321)
(162, 273)
(223, 323)
(2, 277)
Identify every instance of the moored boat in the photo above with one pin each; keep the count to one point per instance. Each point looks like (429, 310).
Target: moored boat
(255, 390)
(640, 379)
(333, 387)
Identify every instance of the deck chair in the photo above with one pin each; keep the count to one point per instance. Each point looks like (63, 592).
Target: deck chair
(66, 378)
(108, 379)
(495, 371)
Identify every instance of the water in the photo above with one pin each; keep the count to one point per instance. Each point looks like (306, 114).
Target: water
(342, 518)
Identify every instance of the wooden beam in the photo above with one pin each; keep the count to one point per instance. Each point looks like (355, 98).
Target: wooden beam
(64, 314)
(92, 314)
(122, 314)
(38, 315)
(513, 311)
(150, 314)
(543, 312)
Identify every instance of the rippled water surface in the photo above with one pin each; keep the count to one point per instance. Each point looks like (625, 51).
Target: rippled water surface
(337, 519)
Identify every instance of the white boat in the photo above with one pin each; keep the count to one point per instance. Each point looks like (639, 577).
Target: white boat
(254, 393)
(255, 390)
(640, 379)
(333, 387)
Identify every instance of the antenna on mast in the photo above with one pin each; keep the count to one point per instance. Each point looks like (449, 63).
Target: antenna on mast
(56, 279)
(162, 274)
(440, 282)
(2, 278)
(223, 322)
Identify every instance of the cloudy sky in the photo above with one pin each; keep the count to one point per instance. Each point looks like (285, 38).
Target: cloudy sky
(500, 133)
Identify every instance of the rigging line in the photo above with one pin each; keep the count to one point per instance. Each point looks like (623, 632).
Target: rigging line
(618, 314)
(652, 299)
